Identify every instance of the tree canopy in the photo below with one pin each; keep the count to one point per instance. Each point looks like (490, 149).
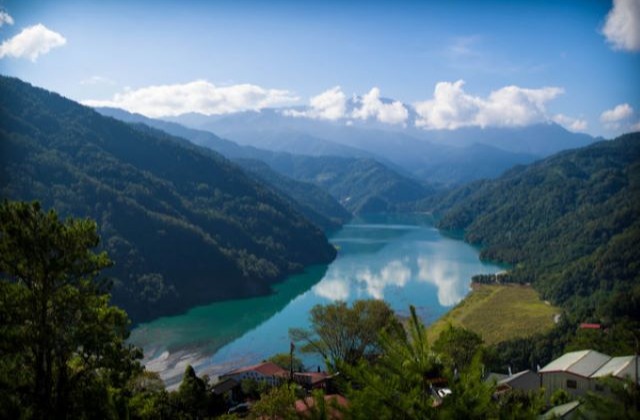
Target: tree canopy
(63, 351)
(340, 333)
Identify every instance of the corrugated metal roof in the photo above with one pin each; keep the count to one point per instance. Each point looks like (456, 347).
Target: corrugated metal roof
(583, 363)
(620, 367)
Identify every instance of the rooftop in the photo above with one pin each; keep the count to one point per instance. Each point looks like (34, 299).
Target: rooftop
(620, 367)
(582, 363)
(265, 368)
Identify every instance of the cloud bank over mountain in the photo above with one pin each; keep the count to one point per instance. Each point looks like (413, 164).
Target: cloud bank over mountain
(198, 96)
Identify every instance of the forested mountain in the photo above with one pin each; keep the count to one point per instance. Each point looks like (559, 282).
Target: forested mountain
(312, 201)
(360, 184)
(184, 225)
(570, 224)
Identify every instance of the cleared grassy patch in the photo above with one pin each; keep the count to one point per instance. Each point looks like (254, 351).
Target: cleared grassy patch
(499, 313)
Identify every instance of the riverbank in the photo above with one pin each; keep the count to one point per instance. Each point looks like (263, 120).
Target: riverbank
(499, 313)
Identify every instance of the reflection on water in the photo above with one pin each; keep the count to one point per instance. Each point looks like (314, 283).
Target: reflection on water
(404, 261)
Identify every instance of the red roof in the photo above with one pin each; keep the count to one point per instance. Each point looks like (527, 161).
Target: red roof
(265, 368)
(590, 326)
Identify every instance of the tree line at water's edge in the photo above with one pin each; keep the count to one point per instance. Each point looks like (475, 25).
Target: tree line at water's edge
(570, 226)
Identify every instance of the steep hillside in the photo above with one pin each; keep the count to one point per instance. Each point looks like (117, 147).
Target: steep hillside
(312, 201)
(184, 225)
(570, 224)
(316, 204)
(361, 185)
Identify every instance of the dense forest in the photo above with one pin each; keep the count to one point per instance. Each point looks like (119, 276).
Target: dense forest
(570, 225)
(184, 225)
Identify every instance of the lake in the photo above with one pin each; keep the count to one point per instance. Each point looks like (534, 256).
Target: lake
(402, 259)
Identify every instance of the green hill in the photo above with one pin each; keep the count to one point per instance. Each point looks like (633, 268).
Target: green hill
(361, 184)
(184, 225)
(569, 224)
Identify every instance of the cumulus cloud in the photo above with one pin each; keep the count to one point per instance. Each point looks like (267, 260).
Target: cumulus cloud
(570, 123)
(619, 113)
(452, 108)
(31, 43)
(332, 289)
(451, 285)
(329, 105)
(199, 96)
(5, 18)
(373, 107)
(396, 273)
(622, 26)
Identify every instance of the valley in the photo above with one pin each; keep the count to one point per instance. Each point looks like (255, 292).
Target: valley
(319, 210)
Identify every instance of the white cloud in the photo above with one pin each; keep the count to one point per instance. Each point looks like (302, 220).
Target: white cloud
(622, 27)
(5, 18)
(332, 289)
(199, 96)
(97, 80)
(31, 43)
(372, 106)
(446, 277)
(329, 105)
(620, 112)
(393, 274)
(635, 127)
(452, 108)
(570, 123)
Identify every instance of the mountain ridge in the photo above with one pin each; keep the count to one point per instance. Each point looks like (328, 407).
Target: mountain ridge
(180, 221)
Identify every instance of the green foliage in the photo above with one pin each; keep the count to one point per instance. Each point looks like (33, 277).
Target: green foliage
(569, 225)
(343, 334)
(560, 396)
(63, 351)
(458, 346)
(360, 185)
(518, 404)
(191, 398)
(309, 199)
(471, 397)
(621, 402)
(185, 226)
(277, 403)
(399, 383)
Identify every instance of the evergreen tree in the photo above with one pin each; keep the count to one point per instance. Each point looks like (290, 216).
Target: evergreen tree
(63, 351)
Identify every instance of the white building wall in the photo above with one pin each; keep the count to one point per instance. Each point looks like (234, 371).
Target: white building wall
(553, 381)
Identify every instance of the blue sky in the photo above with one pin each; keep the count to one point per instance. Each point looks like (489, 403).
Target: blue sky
(559, 58)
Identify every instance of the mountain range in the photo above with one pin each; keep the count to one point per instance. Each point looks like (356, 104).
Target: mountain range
(449, 157)
(184, 225)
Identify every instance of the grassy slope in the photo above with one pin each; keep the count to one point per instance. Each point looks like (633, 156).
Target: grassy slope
(499, 313)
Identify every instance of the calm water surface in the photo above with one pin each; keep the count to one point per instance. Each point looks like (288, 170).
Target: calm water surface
(401, 259)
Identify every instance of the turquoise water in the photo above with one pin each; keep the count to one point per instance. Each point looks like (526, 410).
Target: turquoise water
(401, 259)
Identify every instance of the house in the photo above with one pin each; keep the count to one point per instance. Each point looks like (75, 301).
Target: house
(526, 380)
(572, 372)
(625, 368)
(267, 372)
(312, 380)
